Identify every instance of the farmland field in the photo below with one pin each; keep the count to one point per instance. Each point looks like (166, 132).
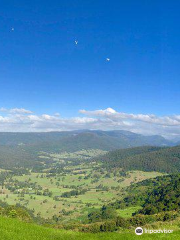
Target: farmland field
(42, 192)
(79, 192)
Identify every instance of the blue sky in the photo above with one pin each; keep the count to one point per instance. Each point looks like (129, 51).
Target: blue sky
(42, 69)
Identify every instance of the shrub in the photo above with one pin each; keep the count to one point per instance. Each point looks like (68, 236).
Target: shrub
(93, 228)
(138, 220)
(109, 226)
(122, 222)
(12, 213)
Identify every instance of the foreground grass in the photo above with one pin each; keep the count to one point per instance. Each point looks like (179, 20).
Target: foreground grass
(13, 229)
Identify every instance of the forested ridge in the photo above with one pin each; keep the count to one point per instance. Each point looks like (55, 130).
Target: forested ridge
(144, 158)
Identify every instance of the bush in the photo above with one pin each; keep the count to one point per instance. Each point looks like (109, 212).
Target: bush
(109, 226)
(150, 218)
(12, 213)
(122, 222)
(166, 216)
(93, 228)
(138, 220)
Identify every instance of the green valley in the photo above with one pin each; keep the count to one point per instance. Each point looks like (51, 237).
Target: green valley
(90, 190)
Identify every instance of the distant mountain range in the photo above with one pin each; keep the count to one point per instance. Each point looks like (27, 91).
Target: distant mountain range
(128, 150)
(83, 139)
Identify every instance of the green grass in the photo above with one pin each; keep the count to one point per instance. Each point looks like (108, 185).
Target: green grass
(127, 212)
(83, 154)
(13, 229)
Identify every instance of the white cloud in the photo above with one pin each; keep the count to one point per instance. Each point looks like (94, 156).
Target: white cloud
(19, 119)
(20, 110)
(15, 110)
(3, 109)
(149, 118)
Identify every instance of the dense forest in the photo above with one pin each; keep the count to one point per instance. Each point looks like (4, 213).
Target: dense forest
(144, 158)
(164, 198)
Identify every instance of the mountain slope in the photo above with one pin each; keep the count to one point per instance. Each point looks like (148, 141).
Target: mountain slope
(145, 159)
(22, 149)
(77, 140)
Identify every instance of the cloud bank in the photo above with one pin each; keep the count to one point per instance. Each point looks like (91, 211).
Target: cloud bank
(23, 120)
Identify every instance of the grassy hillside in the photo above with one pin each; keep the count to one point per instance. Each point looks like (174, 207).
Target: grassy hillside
(145, 159)
(16, 230)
